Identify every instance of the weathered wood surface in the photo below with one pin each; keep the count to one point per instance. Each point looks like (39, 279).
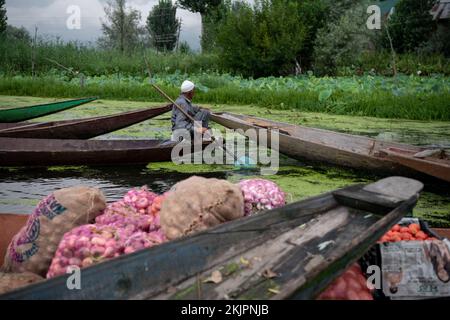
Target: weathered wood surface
(306, 245)
(47, 152)
(318, 145)
(438, 167)
(82, 128)
(444, 233)
(380, 197)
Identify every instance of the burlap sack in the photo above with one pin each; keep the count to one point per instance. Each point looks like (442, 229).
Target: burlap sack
(197, 203)
(13, 281)
(33, 248)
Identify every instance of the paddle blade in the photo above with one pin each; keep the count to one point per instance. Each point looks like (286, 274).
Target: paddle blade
(245, 162)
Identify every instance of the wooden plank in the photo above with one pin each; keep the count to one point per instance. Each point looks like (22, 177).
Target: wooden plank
(379, 197)
(439, 168)
(365, 200)
(445, 233)
(440, 153)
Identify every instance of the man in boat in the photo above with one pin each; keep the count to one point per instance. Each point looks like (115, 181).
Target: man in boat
(200, 115)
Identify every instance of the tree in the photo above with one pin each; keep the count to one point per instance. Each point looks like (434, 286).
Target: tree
(342, 42)
(121, 30)
(201, 6)
(184, 48)
(3, 17)
(411, 25)
(261, 40)
(205, 8)
(336, 9)
(163, 25)
(14, 33)
(314, 14)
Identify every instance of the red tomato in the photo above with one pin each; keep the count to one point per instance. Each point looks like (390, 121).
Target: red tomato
(414, 228)
(404, 229)
(396, 238)
(406, 236)
(396, 228)
(421, 235)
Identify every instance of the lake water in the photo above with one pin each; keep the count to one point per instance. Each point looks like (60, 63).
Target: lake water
(22, 188)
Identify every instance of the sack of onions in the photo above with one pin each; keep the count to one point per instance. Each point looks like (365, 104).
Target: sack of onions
(33, 248)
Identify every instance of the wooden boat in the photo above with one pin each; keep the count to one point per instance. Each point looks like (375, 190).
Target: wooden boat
(82, 128)
(10, 224)
(341, 149)
(304, 245)
(31, 112)
(41, 152)
(6, 125)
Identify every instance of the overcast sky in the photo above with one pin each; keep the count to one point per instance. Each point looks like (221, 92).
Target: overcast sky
(50, 17)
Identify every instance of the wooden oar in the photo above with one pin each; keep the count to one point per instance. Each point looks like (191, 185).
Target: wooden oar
(236, 161)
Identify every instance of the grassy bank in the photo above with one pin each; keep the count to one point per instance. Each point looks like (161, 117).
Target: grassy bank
(412, 98)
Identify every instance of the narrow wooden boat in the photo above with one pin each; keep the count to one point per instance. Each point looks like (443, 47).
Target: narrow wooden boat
(82, 128)
(6, 125)
(31, 112)
(293, 252)
(341, 149)
(42, 152)
(10, 224)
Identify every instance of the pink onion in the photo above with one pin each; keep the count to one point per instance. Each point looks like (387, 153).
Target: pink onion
(140, 199)
(260, 195)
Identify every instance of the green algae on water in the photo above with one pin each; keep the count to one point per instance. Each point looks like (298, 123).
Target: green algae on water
(188, 168)
(67, 168)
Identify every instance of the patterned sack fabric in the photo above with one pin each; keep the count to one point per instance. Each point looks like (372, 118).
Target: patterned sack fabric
(32, 249)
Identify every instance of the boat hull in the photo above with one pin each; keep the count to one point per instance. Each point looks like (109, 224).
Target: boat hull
(307, 244)
(325, 146)
(39, 152)
(28, 113)
(84, 128)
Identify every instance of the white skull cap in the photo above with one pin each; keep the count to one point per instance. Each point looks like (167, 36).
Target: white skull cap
(187, 86)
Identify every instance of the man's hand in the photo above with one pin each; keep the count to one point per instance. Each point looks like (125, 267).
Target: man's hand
(202, 130)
